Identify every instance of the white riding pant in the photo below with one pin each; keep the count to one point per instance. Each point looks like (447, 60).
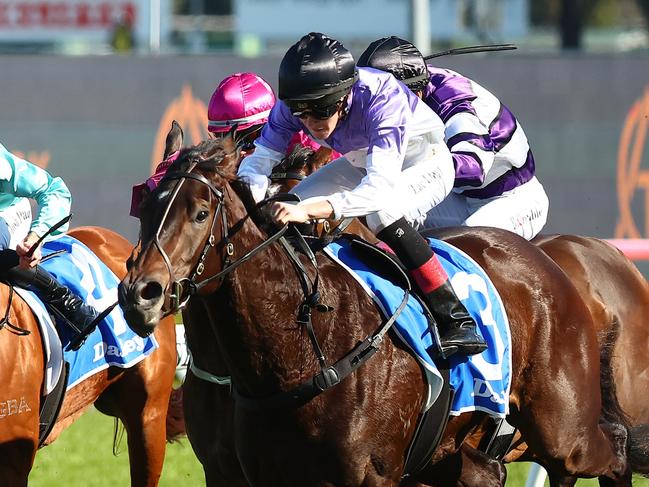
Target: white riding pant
(523, 210)
(425, 180)
(19, 220)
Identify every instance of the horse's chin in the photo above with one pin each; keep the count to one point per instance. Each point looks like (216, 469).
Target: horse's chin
(142, 323)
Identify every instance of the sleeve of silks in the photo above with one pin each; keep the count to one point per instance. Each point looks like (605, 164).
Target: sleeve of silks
(270, 147)
(26, 180)
(256, 168)
(388, 140)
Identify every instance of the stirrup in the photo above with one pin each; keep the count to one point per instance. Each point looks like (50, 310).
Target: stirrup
(463, 349)
(76, 342)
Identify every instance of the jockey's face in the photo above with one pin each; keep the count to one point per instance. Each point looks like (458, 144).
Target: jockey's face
(319, 128)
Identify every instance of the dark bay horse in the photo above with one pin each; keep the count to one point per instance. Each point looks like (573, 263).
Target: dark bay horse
(616, 294)
(139, 396)
(201, 220)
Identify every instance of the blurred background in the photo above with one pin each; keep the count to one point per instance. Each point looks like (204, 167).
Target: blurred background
(88, 88)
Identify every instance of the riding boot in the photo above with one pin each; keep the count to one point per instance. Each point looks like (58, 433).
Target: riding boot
(59, 297)
(457, 329)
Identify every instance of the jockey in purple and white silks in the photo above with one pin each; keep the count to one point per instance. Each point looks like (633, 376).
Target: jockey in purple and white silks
(395, 166)
(495, 183)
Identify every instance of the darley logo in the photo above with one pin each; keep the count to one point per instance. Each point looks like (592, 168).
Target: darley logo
(190, 113)
(632, 180)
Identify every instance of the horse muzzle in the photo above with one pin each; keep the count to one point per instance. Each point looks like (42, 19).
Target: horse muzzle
(142, 304)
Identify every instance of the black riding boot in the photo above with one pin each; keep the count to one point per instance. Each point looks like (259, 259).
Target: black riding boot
(456, 327)
(59, 297)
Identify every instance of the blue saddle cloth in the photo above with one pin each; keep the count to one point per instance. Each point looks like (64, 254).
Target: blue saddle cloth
(112, 343)
(481, 382)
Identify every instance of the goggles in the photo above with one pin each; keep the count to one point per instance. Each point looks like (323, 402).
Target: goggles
(319, 113)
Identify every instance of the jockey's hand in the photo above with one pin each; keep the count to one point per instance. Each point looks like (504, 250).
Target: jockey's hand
(23, 247)
(284, 213)
(311, 209)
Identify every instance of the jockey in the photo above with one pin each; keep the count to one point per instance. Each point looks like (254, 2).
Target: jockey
(241, 99)
(246, 99)
(495, 183)
(19, 180)
(395, 167)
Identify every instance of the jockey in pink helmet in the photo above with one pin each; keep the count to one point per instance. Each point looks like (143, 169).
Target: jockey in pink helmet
(245, 99)
(241, 99)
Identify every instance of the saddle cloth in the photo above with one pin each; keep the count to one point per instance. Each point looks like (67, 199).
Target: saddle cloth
(481, 382)
(112, 343)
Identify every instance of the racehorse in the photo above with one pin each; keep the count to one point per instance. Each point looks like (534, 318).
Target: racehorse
(200, 234)
(139, 395)
(615, 292)
(617, 296)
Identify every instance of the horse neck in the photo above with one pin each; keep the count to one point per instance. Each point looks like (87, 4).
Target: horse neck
(253, 312)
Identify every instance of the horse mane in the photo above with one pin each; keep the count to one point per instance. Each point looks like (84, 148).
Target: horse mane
(296, 160)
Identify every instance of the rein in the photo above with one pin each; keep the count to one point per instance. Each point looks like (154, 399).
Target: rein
(4, 322)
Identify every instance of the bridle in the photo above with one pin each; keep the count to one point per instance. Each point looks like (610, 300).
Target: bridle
(183, 289)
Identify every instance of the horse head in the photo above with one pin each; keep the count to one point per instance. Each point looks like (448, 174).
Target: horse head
(184, 230)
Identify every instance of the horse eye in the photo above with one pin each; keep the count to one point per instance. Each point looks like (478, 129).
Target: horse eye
(202, 215)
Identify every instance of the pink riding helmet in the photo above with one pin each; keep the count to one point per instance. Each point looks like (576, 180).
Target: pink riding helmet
(244, 99)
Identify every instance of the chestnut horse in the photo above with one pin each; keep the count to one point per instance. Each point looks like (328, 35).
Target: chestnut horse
(202, 239)
(617, 296)
(139, 395)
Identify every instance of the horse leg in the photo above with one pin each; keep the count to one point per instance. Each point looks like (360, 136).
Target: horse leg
(561, 480)
(141, 403)
(567, 435)
(468, 467)
(208, 420)
(16, 459)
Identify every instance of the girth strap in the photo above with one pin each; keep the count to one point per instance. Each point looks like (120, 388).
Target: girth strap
(326, 378)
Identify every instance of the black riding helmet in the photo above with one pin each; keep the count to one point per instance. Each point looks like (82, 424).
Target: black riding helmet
(315, 72)
(399, 57)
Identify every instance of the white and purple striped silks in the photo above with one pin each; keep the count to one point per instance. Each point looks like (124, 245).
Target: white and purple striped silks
(489, 147)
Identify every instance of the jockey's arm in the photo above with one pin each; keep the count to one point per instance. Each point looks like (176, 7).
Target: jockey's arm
(23, 179)
(388, 125)
(466, 135)
(270, 147)
(256, 167)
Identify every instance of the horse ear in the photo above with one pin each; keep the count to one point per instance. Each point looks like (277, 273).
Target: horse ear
(174, 140)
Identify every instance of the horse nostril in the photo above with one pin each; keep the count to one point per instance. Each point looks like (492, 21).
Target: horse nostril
(151, 290)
